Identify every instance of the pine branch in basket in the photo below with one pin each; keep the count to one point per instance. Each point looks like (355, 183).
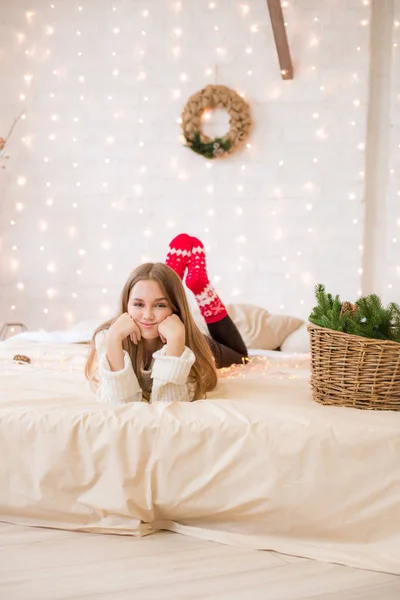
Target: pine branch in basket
(366, 318)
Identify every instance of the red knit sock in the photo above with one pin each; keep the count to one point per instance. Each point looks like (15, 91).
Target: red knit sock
(179, 252)
(197, 281)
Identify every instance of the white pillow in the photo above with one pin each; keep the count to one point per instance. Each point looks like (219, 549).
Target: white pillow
(261, 329)
(298, 341)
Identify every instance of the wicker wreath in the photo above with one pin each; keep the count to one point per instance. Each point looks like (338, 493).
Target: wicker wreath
(210, 97)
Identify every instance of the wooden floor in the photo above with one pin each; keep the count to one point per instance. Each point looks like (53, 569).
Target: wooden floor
(45, 564)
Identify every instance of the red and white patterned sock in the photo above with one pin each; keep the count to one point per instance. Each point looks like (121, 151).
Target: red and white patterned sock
(179, 252)
(197, 281)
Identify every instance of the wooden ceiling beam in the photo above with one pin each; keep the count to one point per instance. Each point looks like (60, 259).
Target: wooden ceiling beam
(281, 41)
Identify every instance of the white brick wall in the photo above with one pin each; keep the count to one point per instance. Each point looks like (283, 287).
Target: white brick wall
(391, 291)
(286, 213)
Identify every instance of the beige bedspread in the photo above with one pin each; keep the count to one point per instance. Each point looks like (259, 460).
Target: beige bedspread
(257, 464)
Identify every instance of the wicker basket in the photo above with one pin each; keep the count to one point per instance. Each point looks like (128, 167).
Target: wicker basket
(349, 370)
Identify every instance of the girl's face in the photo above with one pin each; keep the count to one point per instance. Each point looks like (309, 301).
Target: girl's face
(148, 306)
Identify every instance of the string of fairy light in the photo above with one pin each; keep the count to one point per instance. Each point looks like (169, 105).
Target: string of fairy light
(46, 54)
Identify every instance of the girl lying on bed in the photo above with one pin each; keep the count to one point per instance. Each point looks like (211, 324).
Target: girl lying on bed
(152, 349)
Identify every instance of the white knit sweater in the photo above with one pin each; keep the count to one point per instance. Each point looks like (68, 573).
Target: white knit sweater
(169, 375)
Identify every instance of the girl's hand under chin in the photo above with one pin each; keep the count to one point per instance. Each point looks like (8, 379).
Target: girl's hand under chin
(123, 327)
(172, 329)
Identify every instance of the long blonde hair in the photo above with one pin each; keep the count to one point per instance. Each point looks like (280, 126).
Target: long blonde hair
(203, 374)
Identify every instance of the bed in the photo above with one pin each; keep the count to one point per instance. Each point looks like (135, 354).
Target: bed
(257, 464)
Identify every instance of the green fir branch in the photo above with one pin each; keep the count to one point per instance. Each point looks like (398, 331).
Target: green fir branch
(213, 149)
(370, 320)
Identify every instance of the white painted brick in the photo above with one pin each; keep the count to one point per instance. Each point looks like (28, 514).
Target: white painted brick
(275, 220)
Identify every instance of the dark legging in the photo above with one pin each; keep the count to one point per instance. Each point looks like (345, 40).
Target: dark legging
(226, 343)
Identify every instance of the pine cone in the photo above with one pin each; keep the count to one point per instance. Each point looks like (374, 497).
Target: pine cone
(348, 307)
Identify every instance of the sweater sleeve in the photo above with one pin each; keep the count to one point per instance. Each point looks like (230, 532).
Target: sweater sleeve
(115, 387)
(170, 376)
